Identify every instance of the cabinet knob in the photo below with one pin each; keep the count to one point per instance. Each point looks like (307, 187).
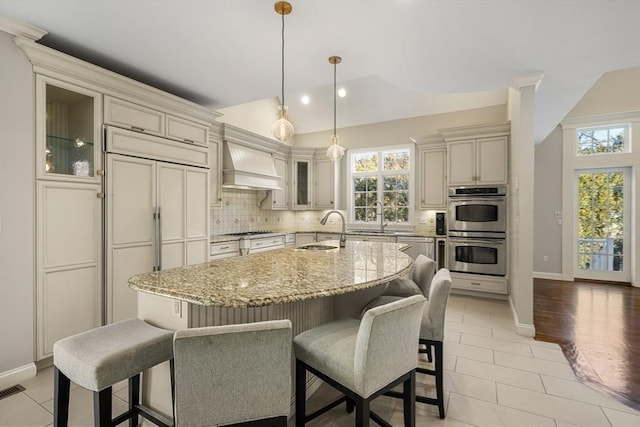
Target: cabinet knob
(219, 199)
(100, 172)
(100, 195)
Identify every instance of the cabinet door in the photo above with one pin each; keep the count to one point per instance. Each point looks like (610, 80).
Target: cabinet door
(433, 180)
(304, 238)
(187, 131)
(172, 201)
(131, 231)
(68, 131)
(462, 162)
(197, 216)
(301, 184)
(280, 199)
(215, 173)
(324, 184)
(69, 261)
(132, 116)
(491, 160)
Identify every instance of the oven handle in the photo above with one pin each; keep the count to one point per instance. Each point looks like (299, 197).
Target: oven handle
(476, 199)
(495, 242)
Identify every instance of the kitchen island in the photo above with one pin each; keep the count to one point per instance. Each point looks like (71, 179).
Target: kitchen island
(308, 286)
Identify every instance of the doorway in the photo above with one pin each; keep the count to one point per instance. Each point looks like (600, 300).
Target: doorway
(602, 225)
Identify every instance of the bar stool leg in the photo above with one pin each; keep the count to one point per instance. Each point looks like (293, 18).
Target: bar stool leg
(409, 393)
(362, 413)
(172, 369)
(134, 399)
(61, 388)
(102, 407)
(439, 377)
(301, 394)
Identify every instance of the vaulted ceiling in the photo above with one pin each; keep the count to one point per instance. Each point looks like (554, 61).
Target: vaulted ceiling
(401, 58)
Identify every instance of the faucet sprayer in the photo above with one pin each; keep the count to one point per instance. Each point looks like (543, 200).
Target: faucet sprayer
(343, 235)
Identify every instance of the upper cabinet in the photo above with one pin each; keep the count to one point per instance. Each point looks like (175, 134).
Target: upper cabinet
(477, 155)
(278, 199)
(129, 115)
(68, 131)
(432, 169)
(324, 184)
(215, 169)
(302, 182)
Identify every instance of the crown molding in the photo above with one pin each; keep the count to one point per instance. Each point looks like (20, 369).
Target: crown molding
(600, 119)
(235, 134)
(524, 80)
(427, 140)
(20, 29)
(476, 131)
(59, 65)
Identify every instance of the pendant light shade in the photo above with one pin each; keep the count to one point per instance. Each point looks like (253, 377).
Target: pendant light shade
(282, 129)
(335, 151)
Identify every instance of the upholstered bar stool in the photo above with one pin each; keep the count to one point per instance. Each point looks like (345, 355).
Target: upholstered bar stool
(423, 271)
(101, 357)
(236, 375)
(362, 359)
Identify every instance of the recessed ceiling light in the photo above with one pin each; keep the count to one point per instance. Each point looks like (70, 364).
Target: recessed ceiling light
(305, 99)
(342, 92)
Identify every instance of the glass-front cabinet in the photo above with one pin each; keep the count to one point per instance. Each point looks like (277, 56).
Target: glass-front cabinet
(302, 183)
(68, 131)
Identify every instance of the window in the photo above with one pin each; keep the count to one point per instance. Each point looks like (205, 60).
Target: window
(381, 176)
(600, 140)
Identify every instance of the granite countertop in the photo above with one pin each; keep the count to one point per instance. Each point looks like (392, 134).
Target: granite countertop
(280, 276)
(225, 238)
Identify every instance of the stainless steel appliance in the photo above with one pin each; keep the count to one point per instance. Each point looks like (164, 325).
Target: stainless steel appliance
(477, 253)
(419, 245)
(481, 209)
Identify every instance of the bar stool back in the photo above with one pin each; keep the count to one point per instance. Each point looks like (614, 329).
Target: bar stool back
(233, 374)
(362, 359)
(423, 271)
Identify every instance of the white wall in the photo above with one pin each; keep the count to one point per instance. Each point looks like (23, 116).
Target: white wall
(399, 131)
(17, 184)
(548, 200)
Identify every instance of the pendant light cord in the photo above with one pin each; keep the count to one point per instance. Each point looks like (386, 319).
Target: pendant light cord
(282, 61)
(334, 98)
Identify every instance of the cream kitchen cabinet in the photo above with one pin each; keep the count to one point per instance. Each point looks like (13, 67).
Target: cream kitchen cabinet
(68, 261)
(215, 171)
(370, 238)
(68, 131)
(278, 199)
(321, 237)
(157, 218)
(433, 178)
(477, 161)
(302, 182)
(305, 238)
(324, 184)
(139, 118)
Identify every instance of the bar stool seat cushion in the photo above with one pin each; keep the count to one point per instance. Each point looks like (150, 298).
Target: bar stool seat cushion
(101, 357)
(402, 287)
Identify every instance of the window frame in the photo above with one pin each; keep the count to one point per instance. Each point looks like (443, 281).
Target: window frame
(627, 138)
(380, 174)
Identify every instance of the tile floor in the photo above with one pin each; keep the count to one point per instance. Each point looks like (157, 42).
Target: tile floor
(493, 377)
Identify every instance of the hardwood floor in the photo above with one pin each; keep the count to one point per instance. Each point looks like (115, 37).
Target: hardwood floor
(598, 328)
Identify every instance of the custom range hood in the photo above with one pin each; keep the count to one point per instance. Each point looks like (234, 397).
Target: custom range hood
(247, 168)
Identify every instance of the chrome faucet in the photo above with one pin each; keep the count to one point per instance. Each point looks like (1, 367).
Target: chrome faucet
(382, 223)
(343, 235)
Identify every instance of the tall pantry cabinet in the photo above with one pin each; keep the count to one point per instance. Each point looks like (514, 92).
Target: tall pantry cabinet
(112, 200)
(69, 211)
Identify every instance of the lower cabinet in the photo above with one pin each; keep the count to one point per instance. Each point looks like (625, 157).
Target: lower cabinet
(480, 283)
(371, 238)
(68, 261)
(304, 238)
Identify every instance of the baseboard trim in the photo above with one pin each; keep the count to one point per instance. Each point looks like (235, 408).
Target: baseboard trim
(17, 375)
(524, 329)
(549, 276)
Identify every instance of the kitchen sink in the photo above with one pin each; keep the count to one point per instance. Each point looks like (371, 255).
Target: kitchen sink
(318, 247)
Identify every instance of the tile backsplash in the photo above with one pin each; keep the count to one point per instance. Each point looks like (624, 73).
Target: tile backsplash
(241, 212)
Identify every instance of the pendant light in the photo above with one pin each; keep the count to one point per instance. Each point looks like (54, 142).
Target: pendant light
(282, 129)
(335, 151)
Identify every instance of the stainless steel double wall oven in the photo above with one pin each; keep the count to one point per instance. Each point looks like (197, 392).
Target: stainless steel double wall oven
(477, 230)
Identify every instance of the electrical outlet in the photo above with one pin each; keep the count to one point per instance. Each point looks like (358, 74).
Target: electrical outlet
(557, 214)
(177, 308)
(423, 220)
(545, 259)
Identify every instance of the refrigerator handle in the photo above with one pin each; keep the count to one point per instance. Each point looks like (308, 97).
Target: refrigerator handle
(159, 240)
(155, 239)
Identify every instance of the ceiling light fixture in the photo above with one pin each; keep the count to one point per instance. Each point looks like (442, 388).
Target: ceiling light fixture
(305, 99)
(342, 92)
(282, 129)
(335, 151)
